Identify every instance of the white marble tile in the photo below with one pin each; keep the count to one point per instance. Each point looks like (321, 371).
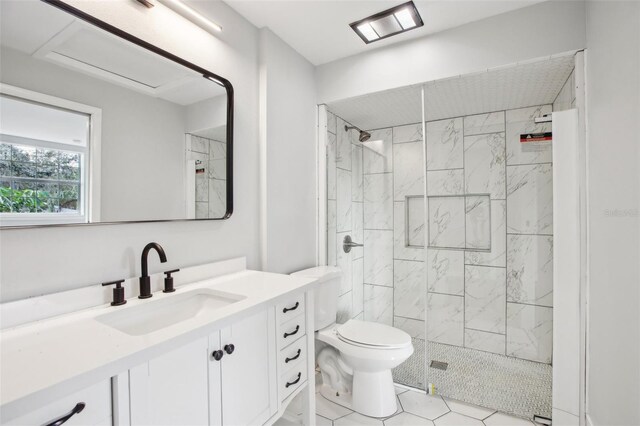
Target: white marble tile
(378, 201)
(484, 341)
(445, 319)
(378, 304)
(414, 328)
(377, 152)
(407, 419)
(501, 419)
(407, 133)
(357, 188)
(469, 410)
(202, 188)
(484, 165)
(478, 222)
(485, 298)
(344, 262)
(409, 289)
(328, 409)
(218, 169)
(217, 150)
(415, 221)
(331, 122)
(343, 151)
(408, 170)
(444, 144)
(497, 255)
(355, 419)
(378, 257)
(217, 198)
(202, 210)
(530, 199)
(493, 122)
(445, 182)
(343, 205)
(321, 421)
(360, 316)
(529, 332)
(446, 222)
(357, 229)
(331, 166)
(423, 405)
(331, 233)
(357, 282)
(199, 144)
(456, 419)
(445, 273)
(520, 121)
(400, 236)
(345, 308)
(530, 269)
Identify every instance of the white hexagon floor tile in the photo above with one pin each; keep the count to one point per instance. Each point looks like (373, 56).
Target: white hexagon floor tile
(468, 410)
(321, 421)
(399, 409)
(330, 410)
(357, 419)
(501, 419)
(407, 419)
(423, 405)
(457, 419)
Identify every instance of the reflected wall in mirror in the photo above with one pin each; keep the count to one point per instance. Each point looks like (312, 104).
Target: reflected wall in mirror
(96, 128)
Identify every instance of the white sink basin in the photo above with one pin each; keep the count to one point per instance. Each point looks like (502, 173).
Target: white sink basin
(155, 315)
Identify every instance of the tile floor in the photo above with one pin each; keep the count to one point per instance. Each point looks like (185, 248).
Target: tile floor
(417, 409)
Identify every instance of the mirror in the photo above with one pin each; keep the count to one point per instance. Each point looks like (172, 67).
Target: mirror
(97, 126)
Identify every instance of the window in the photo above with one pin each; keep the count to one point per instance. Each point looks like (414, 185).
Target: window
(44, 161)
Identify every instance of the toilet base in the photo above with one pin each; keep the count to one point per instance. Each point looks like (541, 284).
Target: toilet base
(373, 394)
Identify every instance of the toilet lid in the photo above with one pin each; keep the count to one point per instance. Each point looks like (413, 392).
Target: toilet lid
(373, 334)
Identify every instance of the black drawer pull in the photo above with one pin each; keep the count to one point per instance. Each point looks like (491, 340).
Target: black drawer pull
(286, 360)
(285, 310)
(294, 382)
(75, 410)
(293, 332)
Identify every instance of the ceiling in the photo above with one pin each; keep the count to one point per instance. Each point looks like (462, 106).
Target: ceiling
(518, 86)
(319, 29)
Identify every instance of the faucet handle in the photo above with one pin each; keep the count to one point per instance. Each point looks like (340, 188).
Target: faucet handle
(118, 292)
(168, 281)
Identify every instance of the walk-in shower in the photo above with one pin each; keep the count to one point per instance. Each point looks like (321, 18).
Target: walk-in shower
(451, 195)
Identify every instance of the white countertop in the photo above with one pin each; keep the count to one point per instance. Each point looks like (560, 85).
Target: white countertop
(64, 354)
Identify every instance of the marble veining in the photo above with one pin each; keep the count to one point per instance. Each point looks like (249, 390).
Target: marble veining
(478, 222)
(378, 257)
(445, 273)
(378, 152)
(484, 123)
(202, 210)
(217, 198)
(529, 332)
(484, 341)
(484, 165)
(357, 184)
(199, 144)
(485, 298)
(530, 269)
(415, 328)
(357, 228)
(345, 308)
(445, 182)
(331, 166)
(331, 232)
(408, 173)
(343, 212)
(378, 201)
(344, 262)
(407, 133)
(444, 144)
(415, 220)
(530, 199)
(357, 282)
(446, 222)
(378, 304)
(343, 153)
(408, 283)
(202, 188)
(497, 255)
(400, 236)
(520, 121)
(445, 318)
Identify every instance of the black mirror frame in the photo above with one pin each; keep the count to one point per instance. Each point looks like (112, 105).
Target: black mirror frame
(59, 4)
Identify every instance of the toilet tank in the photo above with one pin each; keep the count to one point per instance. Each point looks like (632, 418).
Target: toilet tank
(325, 295)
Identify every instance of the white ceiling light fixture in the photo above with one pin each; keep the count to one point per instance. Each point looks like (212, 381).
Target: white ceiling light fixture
(399, 19)
(192, 15)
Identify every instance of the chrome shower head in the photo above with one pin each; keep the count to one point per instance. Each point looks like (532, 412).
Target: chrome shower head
(362, 137)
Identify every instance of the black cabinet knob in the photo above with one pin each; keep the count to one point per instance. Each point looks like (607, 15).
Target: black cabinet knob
(217, 355)
(229, 348)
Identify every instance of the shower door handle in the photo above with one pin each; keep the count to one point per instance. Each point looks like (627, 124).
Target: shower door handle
(348, 244)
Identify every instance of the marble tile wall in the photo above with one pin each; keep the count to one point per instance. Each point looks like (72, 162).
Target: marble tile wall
(211, 185)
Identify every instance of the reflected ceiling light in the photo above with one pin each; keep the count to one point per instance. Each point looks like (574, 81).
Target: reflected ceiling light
(388, 23)
(191, 14)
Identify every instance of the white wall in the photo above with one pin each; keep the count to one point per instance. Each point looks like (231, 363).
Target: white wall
(613, 110)
(39, 261)
(536, 31)
(288, 139)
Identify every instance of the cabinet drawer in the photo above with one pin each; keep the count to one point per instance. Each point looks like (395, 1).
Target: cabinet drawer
(291, 331)
(292, 380)
(97, 409)
(290, 308)
(292, 355)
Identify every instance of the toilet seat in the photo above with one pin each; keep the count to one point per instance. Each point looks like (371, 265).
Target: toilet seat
(372, 335)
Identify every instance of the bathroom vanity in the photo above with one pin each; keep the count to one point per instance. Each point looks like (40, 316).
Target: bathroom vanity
(231, 349)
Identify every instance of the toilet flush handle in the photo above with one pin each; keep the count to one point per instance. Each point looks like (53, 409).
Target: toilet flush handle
(348, 244)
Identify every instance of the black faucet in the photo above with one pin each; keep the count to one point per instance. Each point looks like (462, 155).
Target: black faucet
(145, 281)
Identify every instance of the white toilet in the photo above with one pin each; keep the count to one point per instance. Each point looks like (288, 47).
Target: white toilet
(357, 359)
